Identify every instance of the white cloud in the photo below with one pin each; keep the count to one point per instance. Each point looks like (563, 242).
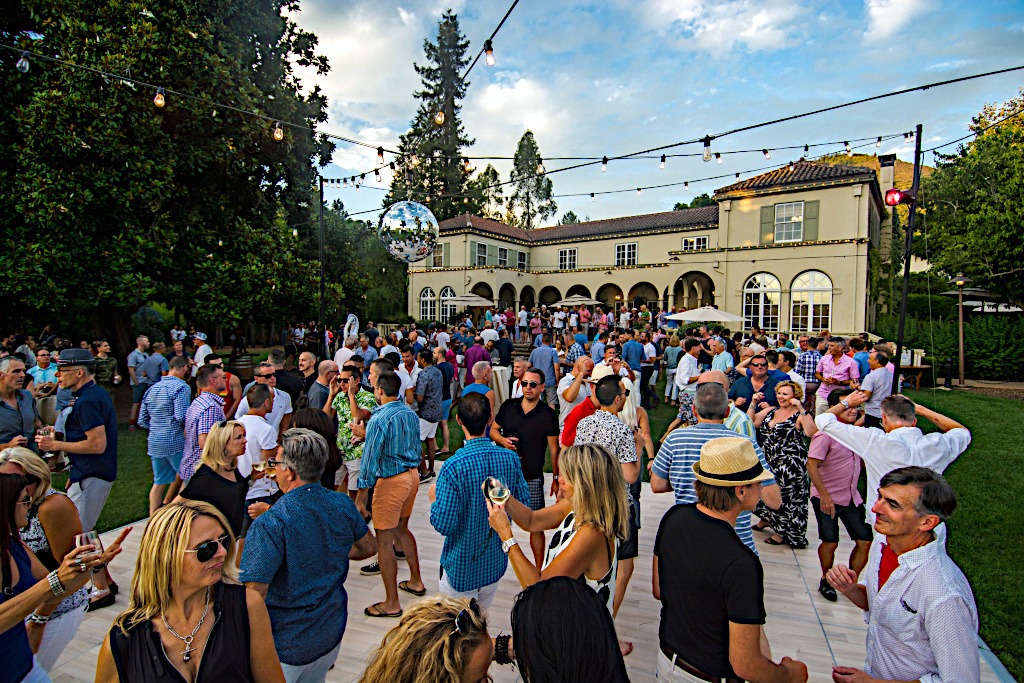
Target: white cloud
(886, 18)
(720, 27)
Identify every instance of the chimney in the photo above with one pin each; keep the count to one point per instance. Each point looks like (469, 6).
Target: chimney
(887, 171)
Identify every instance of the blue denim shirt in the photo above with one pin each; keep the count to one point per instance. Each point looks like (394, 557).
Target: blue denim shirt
(300, 548)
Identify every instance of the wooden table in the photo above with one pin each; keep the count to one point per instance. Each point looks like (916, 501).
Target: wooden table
(916, 371)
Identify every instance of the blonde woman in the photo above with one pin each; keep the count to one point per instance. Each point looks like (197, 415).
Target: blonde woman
(52, 526)
(218, 481)
(442, 640)
(186, 609)
(781, 431)
(590, 520)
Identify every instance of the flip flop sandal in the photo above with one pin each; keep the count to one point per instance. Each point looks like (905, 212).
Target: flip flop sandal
(772, 541)
(377, 612)
(404, 586)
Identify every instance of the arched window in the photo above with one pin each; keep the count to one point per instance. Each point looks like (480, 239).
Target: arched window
(447, 307)
(428, 304)
(761, 296)
(811, 294)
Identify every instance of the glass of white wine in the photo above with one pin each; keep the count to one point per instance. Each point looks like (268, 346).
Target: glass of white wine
(497, 492)
(90, 538)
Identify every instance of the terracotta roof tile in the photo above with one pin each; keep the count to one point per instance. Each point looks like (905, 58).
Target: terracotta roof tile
(665, 221)
(803, 172)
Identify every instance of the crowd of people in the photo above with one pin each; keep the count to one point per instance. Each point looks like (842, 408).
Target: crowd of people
(263, 492)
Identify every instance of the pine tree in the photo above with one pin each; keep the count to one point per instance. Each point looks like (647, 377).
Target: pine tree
(486, 197)
(569, 217)
(441, 172)
(531, 201)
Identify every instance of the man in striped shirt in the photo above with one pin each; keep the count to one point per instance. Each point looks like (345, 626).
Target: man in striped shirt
(163, 412)
(673, 467)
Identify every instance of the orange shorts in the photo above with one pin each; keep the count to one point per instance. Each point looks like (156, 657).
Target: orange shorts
(393, 499)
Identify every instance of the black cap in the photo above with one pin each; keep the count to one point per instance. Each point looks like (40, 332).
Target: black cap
(79, 357)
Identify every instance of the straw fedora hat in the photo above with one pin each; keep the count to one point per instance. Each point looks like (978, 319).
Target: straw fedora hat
(729, 461)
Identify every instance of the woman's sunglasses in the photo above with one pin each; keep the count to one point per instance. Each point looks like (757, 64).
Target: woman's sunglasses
(207, 549)
(464, 620)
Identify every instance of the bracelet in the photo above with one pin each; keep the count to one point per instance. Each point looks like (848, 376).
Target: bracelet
(37, 618)
(55, 585)
(501, 649)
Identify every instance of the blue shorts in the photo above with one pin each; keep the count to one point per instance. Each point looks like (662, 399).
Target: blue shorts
(165, 469)
(446, 408)
(138, 391)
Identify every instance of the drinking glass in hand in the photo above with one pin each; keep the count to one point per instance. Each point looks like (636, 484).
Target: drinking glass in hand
(497, 492)
(512, 437)
(90, 538)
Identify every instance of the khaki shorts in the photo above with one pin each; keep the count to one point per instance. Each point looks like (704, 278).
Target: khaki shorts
(393, 499)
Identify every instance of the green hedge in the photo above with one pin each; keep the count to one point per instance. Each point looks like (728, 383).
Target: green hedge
(989, 342)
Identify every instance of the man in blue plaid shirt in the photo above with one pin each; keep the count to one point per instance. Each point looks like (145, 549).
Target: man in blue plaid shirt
(806, 365)
(472, 561)
(163, 413)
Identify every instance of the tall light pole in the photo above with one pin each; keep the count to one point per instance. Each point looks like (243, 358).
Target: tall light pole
(961, 281)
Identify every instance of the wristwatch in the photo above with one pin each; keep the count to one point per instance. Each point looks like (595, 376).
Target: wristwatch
(507, 545)
(845, 403)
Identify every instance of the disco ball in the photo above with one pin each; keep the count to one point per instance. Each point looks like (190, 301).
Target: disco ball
(408, 231)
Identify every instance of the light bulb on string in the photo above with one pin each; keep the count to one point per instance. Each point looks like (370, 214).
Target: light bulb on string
(392, 166)
(439, 117)
(220, 243)
(278, 132)
(376, 174)
(159, 100)
(604, 164)
(380, 155)
(465, 200)
(295, 232)
(718, 158)
(737, 174)
(23, 63)
(488, 52)
(846, 144)
(465, 165)
(789, 166)
(638, 190)
(707, 148)
(686, 185)
(766, 153)
(415, 160)
(662, 165)
(807, 149)
(591, 196)
(428, 199)
(878, 142)
(540, 165)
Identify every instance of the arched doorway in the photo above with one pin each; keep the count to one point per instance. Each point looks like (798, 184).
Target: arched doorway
(527, 297)
(762, 296)
(447, 308)
(693, 290)
(610, 294)
(483, 289)
(549, 295)
(506, 297)
(579, 290)
(647, 292)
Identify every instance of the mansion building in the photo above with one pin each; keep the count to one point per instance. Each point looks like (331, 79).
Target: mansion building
(789, 250)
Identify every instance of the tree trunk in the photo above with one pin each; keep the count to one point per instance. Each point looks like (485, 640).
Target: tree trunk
(115, 325)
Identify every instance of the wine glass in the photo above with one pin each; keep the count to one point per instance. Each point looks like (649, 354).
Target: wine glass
(90, 538)
(497, 492)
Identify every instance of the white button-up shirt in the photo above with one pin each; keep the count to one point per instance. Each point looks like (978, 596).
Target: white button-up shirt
(923, 624)
(902, 447)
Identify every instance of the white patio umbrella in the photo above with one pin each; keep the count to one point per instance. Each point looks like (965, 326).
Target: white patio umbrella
(470, 300)
(577, 300)
(706, 314)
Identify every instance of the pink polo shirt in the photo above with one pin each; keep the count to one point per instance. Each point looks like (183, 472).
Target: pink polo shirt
(839, 468)
(843, 369)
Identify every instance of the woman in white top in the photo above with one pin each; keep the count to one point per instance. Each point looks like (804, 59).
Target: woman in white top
(589, 521)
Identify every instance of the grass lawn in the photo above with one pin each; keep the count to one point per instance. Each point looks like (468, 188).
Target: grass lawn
(985, 532)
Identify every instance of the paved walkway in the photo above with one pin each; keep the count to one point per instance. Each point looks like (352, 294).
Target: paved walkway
(801, 624)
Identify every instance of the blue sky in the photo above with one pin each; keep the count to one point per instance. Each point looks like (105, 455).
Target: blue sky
(617, 76)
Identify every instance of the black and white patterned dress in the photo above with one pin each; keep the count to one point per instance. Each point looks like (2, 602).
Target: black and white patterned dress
(35, 538)
(605, 586)
(786, 452)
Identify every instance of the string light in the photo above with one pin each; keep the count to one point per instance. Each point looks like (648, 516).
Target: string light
(718, 158)
(23, 63)
(707, 148)
(686, 185)
(465, 165)
(392, 166)
(604, 164)
(591, 196)
(159, 100)
(807, 149)
(878, 142)
(737, 174)
(295, 232)
(376, 173)
(540, 165)
(220, 243)
(849, 150)
(278, 131)
(766, 153)
(380, 155)
(415, 159)
(662, 165)
(638, 190)
(439, 117)
(488, 52)
(789, 166)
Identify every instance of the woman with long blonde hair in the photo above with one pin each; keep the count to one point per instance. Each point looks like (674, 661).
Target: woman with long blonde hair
(590, 520)
(443, 640)
(218, 481)
(186, 609)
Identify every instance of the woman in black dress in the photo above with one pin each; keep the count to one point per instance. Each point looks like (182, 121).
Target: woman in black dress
(781, 432)
(218, 481)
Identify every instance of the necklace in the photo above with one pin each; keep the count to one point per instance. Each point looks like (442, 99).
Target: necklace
(187, 652)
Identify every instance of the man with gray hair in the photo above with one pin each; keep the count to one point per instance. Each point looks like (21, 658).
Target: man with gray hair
(309, 526)
(673, 466)
(19, 417)
(346, 350)
(482, 375)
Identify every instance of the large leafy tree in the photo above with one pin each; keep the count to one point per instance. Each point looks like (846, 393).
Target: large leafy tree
(972, 204)
(109, 202)
(531, 202)
(439, 171)
(485, 193)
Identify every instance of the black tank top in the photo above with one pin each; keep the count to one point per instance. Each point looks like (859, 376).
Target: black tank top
(139, 656)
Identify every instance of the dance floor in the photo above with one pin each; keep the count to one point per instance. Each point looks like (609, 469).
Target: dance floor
(801, 624)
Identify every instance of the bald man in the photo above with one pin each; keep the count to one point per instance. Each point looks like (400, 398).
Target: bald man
(307, 369)
(317, 395)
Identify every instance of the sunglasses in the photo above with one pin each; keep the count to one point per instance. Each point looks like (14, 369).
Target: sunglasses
(758, 365)
(625, 393)
(267, 376)
(531, 384)
(27, 500)
(464, 620)
(207, 549)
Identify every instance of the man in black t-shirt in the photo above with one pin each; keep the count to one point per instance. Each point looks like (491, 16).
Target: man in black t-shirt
(529, 427)
(710, 584)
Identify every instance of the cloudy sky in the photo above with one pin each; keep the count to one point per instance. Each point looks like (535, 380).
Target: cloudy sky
(616, 76)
